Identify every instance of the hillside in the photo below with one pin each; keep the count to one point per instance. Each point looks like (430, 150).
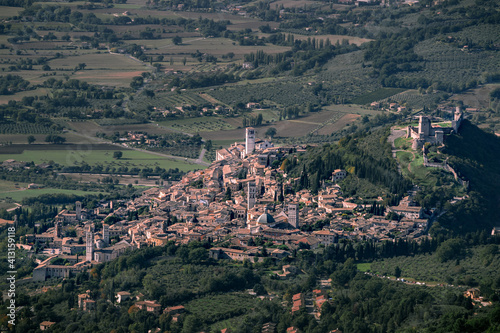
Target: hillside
(367, 158)
(476, 156)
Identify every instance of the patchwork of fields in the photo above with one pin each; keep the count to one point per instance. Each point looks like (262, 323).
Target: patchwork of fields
(69, 155)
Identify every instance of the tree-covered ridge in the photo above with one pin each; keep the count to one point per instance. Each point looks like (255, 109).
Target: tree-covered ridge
(183, 275)
(366, 155)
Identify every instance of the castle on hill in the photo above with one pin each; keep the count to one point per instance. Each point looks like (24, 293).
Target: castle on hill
(425, 132)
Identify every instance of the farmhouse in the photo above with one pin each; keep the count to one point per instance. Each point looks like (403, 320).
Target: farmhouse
(338, 175)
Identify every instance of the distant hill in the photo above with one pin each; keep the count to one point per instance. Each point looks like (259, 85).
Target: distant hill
(475, 155)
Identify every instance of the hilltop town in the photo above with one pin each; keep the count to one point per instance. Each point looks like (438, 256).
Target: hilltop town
(239, 202)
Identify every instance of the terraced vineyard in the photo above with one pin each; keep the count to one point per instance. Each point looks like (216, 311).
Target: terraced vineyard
(177, 99)
(449, 66)
(196, 125)
(415, 100)
(116, 122)
(26, 128)
(346, 78)
(184, 151)
(333, 116)
(284, 93)
(167, 100)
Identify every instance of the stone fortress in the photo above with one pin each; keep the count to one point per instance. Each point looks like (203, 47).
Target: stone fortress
(425, 132)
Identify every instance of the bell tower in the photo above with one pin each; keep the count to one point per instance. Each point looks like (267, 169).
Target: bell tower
(249, 141)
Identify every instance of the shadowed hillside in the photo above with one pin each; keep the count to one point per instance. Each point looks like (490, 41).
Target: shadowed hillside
(475, 154)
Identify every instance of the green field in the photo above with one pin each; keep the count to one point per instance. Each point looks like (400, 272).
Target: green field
(4, 99)
(130, 159)
(7, 186)
(352, 108)
(19, 195)
(404, 159)
(364, 267)
(214, 46)
(5, 205)
(223, 143)
(6, 12)
(403, 143)
(445, 124)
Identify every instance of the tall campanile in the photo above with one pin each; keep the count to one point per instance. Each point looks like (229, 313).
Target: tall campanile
(249, 140)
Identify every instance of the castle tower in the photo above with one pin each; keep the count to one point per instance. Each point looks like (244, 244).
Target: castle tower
(251, 192)
(105, 233)
(249, 140)
(293, 214)
(89, 245)
(424, 126)
(78, 209)
(439, 137)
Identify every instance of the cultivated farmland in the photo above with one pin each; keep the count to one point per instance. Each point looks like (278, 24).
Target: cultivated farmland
(89, 154)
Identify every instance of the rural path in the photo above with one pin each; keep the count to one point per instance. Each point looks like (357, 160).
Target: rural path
(202, 155)
(304, 122)
(394, 151)
(184, 159)
(15, 203)
(395, 133)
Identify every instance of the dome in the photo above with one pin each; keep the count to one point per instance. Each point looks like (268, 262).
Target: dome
(100, 244)
(265, 219)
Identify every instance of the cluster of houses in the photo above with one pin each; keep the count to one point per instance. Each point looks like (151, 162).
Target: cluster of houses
(392, 106)
(242, 197)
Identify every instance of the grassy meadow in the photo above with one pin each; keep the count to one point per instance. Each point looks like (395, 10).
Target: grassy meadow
(130, 159)
(19, 195)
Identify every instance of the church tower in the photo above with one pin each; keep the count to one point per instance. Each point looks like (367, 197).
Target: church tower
(78, 209)
(57, 230)
(293, 214)
(105, 233)
(249, 141)
(89, 245)
(251, 191)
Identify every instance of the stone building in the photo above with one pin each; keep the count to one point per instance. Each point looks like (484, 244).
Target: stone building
(425, 132)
